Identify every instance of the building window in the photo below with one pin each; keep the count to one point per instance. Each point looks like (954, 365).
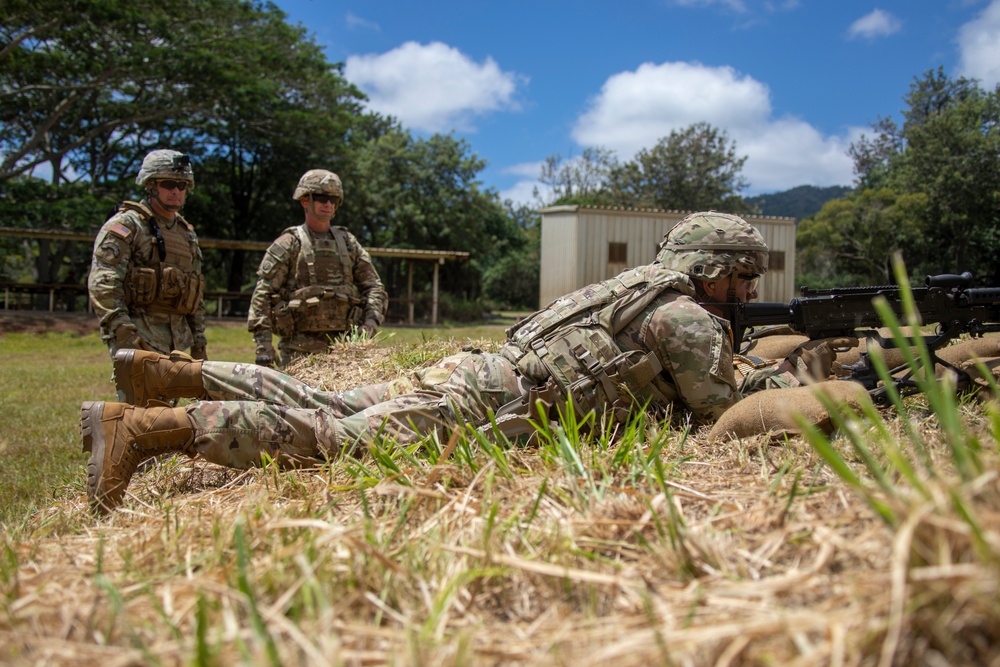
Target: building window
(617, 253)
(776, 260)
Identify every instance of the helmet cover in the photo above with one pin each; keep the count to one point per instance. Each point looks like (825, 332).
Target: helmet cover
(320, 182)
(712, 245)
(165, 164)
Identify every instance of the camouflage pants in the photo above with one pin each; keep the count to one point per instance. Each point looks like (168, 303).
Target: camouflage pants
(260, 410)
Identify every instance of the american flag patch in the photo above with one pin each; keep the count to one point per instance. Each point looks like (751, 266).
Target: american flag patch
(120, 229)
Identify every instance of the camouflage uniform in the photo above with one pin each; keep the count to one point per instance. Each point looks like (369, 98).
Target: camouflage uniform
(314, 285)
(265, 410)
(284, 271)
(257, 409)
(146, 273)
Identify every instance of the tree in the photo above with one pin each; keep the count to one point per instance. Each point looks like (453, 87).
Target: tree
(254, 101)
(948, 150)
(581, 180)
(693, 169)
(512, 280)
(851, 240)
(414, 193)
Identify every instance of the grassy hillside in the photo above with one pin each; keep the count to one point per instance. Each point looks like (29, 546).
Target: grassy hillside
(800, 203)
(644, 546)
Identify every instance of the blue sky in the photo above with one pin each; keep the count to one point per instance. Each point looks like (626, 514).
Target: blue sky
(793, 82)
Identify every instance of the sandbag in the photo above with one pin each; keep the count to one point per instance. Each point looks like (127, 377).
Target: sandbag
(774, 347)
(969, 350)
(771, 412)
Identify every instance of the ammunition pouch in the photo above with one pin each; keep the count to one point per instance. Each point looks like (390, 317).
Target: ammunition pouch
(282, 322)
(588, 372)
(319, 309)
(165, 288)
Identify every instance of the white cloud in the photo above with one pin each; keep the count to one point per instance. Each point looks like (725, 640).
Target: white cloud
(735, 5)
(355, 21)
(979, 46)
(524, 193)
(876, 24)
(432, 87)
(636, 109)
(532, 169)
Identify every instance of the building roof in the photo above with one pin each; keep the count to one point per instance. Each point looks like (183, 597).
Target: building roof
(573, 208)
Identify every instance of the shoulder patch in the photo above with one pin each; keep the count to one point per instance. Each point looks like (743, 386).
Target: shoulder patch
(119, 229)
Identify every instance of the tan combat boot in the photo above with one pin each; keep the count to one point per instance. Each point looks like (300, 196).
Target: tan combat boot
(119, 437)
(149, 376)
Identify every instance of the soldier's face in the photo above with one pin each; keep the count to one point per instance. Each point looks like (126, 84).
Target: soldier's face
(171, 194)
(743, 286)
(320, 206)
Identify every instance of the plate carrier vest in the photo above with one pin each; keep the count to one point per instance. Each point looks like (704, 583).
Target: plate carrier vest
(569, 347)
(170, 283)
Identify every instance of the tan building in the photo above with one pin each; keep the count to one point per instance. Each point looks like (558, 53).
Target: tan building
(584, 244)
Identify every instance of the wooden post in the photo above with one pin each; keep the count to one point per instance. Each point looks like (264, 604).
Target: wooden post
(434, 295)
(409, 291)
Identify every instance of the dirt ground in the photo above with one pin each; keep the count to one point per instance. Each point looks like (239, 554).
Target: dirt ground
(33, 321)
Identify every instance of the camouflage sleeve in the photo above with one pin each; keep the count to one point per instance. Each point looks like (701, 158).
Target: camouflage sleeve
(696, 349)
(271, 275)
(196, 320)
(367, 280)
(767, 377)
(109, 265)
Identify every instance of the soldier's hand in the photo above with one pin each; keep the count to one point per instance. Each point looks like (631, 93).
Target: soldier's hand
(370, 327)
(813, 359)
(199, 352)
(128, 338)
(265, 354)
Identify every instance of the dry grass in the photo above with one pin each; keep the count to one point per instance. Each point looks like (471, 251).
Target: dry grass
(654, 549)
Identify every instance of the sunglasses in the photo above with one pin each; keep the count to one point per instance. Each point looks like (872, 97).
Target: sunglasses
(752, 278)
(324, 199)
(173, 185)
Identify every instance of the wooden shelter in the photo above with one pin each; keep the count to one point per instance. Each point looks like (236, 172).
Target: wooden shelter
(437, 257)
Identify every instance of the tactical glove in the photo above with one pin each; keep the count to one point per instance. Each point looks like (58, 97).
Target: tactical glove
(813, 360)
(199, 352)
(370, 327)
(128, 338)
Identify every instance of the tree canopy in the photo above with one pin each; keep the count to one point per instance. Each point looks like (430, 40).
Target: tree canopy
(693, 169)
(85, 94)
(929, 189)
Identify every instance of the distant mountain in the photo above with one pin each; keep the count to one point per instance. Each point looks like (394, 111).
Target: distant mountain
(800, 202)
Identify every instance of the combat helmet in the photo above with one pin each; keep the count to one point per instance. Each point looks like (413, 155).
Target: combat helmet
(320, 182)
(712, 245)
(165, 163)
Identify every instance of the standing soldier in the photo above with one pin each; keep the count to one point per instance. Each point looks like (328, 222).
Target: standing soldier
(145, 280)
(315, 281)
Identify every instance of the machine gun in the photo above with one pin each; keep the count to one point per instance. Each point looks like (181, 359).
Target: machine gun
(947, 301)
